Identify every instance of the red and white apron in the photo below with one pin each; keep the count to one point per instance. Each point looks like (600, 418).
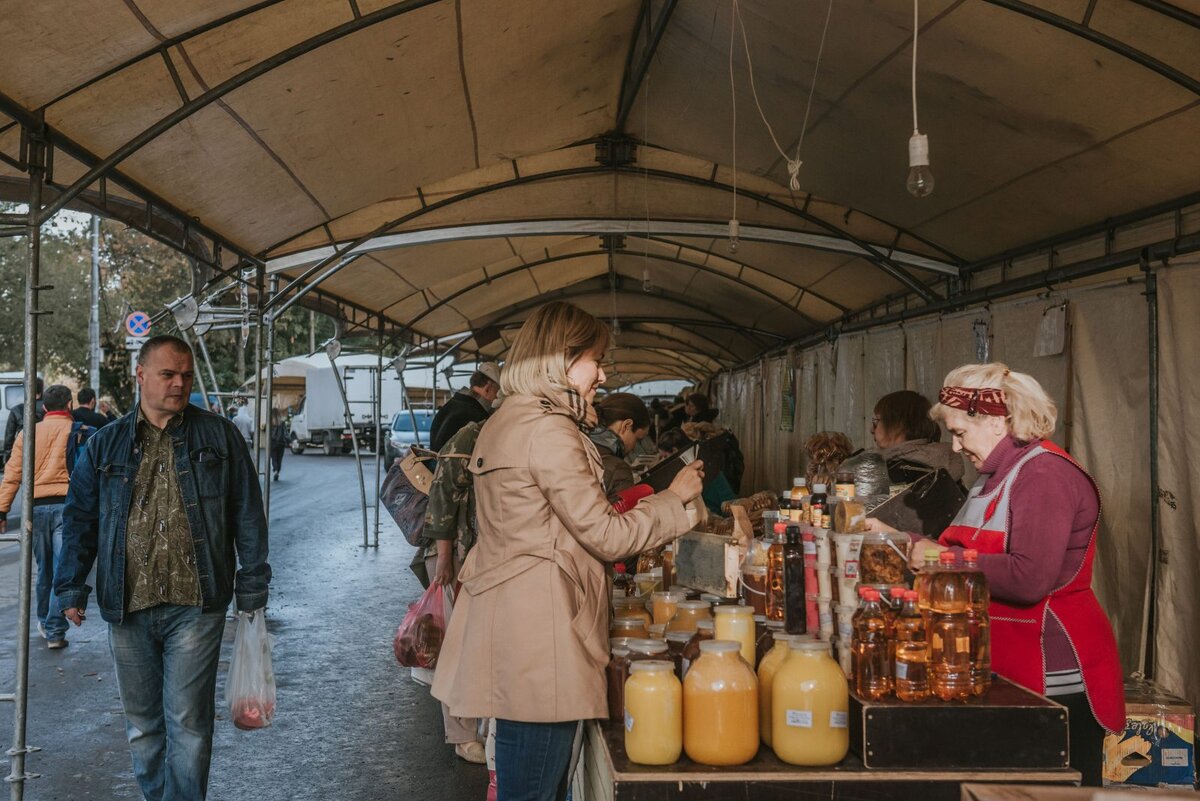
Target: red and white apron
(1018, 650)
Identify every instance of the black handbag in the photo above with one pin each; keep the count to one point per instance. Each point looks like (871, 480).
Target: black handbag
(927, 505)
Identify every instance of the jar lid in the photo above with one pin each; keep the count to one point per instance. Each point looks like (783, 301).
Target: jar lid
(805, 644)
(657, 630)
(647, 576)
(731, 609)
(622, 651)
(780, 636)
(628, 623)
(662, 595)
(652, 666)
(760, 619)
(708, 596)
(705, 624)
(618, 642)
(775, 624)
(647, 646)
(680, 637)
(692, 605)
(720, 647)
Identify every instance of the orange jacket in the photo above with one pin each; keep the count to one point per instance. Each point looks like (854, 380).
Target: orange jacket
(50, 477)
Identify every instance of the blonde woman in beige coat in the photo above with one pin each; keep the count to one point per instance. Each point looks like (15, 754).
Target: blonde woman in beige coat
(528, 641)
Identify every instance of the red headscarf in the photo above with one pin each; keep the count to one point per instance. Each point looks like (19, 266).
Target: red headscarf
(975, 400)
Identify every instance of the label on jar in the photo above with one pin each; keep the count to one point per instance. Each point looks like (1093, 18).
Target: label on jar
(800, 718)
(838, 719)
(851, 568)
(962, 644)
(902, 670)
(936, 645)
(810, 548)
(628, 722)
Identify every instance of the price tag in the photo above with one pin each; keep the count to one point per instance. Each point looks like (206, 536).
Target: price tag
(628, 722)
(810, 548)
(902, 670)
(800, 718)
(838, 719)
(851, 568)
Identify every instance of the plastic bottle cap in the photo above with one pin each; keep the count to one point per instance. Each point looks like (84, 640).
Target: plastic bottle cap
(897, 592)
(720, 647)
(931, 557)
(799, 482)
(862, 591)
(946, 557)
(819, 488)
(619, 567)
(731, 609)
(970, 555)
(647, 646)
(870, 595)
(706, 624)
(910, 595)
(651, 665)
(781, 528)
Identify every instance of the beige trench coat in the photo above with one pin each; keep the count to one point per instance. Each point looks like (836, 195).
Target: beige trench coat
(528, 640)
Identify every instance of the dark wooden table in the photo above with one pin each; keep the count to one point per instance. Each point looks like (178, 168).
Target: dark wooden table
(606, 774)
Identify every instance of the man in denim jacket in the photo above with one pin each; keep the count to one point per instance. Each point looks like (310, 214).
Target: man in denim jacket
(164, 498)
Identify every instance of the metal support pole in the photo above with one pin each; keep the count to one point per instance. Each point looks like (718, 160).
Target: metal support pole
(258, 366)
(362, 486)
(379, 449)
(1149, 614)
(434, 403)
(270, 366)
(94, 317)
(199, 373)
(37, 170)
(312, 331)
(212, 376)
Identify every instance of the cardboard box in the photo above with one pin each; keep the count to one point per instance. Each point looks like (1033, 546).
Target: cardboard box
(1158, 746)
(1038, 792)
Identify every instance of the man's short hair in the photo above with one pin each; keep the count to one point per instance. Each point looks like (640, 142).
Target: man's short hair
(86, 396)
(56, 398)
(164, 340)
(479, 380)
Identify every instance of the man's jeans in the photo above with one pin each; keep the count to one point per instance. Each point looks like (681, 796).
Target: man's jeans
(47, 543)
(532, 760)
(166, 661)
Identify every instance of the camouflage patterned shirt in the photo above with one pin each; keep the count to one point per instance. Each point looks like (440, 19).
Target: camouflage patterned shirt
(160, 562)
(451, 511)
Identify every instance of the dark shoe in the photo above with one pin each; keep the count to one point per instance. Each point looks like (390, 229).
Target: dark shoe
(54, 645)
(276, 476)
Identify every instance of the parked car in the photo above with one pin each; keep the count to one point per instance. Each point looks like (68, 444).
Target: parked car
(402, 434)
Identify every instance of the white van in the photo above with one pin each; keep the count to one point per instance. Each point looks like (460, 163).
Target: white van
(12, 393)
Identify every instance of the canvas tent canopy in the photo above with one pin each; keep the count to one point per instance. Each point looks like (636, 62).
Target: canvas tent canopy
(435, 169)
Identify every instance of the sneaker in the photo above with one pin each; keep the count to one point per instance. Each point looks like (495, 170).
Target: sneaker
(54, 645)
(276, 476)
(42, 630)
(471, 752)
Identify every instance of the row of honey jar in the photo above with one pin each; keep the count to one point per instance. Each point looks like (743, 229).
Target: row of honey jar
(797, 704)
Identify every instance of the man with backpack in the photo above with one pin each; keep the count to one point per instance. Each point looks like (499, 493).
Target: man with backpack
(58, 441)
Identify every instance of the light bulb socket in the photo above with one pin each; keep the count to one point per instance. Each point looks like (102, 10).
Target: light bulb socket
(918, 150)
(734, 229)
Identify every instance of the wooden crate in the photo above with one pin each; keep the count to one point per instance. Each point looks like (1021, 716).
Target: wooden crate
(1009, 728)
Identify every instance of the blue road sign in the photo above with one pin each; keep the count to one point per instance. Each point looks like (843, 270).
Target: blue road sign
(138, 323)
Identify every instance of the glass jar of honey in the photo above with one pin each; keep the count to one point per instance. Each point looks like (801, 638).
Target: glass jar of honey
(631, 608)
(630, 627)
(664, 605)
(688, 614)
(720, 706)
(677, 642)
(736, 623)
(668, 566)
(810, 703)
(653, 713)
(754, 588)
(616, 673)
(766, 674)
(691, 651)
(640, 650)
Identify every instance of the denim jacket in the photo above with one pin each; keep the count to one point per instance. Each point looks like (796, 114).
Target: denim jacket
(224, 510)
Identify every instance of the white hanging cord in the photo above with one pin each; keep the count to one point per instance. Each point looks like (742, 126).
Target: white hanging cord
(914, 66)
(733, 95)
(793, 163)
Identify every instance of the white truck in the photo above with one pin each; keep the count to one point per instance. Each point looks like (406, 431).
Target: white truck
(12, 392)
(320, 421)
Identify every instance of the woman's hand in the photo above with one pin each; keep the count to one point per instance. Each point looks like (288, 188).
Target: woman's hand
(875, 524)
(443, 572)
(688, 482)
(916, 557)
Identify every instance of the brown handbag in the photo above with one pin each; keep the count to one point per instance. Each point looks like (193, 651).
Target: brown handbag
(405, 493)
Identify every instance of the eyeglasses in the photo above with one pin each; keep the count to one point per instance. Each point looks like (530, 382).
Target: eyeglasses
(874, 422)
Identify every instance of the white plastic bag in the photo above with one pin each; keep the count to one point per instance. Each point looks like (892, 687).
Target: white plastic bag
(250, 688)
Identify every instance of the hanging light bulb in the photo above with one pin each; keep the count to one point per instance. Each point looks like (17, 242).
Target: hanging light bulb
(734, 228)
(646, 285)
(920, 177)
(616, 327)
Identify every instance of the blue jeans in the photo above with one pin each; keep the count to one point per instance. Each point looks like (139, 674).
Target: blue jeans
(532, 760)
(47, 544)
(166, 663)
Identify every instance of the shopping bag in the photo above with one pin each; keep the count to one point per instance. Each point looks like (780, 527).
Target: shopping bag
(405, 493)
(250, 687)
(419, 637)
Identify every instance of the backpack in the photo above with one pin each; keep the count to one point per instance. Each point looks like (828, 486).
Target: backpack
(76, 440)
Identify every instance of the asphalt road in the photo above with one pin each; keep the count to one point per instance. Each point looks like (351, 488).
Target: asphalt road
(350, 723)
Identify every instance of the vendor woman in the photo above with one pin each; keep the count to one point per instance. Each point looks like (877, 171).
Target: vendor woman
(1033, 516)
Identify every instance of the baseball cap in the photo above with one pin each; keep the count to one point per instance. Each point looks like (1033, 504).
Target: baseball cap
(490, 369)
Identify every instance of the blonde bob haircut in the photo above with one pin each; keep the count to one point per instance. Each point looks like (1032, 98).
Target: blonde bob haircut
(1031, 412)
(549, 342)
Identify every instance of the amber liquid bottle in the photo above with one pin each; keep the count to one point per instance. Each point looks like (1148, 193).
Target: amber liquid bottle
(980, 623)
(795, 617)
(922, 584)
(911, 663)
(776, 601)
(872, 675)
(949, 633)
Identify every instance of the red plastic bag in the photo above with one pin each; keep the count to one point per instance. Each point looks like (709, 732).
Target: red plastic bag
(419, 637)
(250, 687)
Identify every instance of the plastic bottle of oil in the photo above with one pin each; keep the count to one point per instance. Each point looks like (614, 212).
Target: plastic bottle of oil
(872, 676)
(911, 666)
(776, 600)
(923, 581)
(949, 632)
(980, 623)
